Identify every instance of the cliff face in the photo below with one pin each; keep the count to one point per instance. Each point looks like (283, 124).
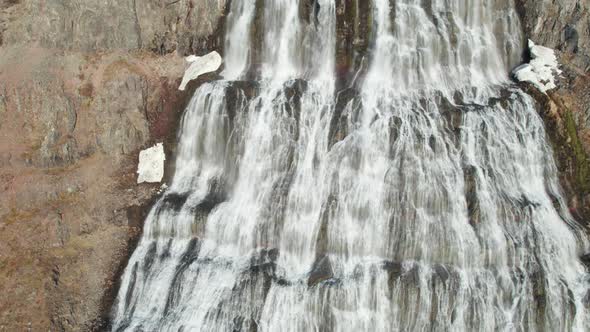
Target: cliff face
(84, 85)
(160, 26)
(565, 26)
(561, 24)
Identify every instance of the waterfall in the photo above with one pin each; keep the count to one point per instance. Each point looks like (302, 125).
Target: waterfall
(421, 196)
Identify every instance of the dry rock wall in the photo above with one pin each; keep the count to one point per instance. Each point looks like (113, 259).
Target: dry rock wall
(84, 85)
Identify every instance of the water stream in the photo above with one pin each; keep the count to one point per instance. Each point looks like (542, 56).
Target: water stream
(422, 197)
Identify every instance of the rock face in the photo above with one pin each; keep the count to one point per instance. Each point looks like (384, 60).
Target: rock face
(559, 24)
(84, 86)
(161, 26)
(565, 26)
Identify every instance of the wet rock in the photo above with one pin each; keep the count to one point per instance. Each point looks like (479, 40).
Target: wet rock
(394, 271)
(238, 93)
(244, 304)
(539, 286)
(439, 274)
(149, 258)
(308, 11)
(469, 178)
(166, 252)
(395, 125)
(131, 286)
(264, 261)
(190, 255)
(410, 277)
(249, 88)
(327, 213)
(345, 100)
(354, 25)
(321, 271)
(442, 273)
(504, 100)
(174, 201)
(294, 90)
(278, 203)
(215, 195)
(257, 42)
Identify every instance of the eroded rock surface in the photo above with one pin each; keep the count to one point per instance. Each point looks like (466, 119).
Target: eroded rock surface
(189, 26)
(84, 86)
(559, 24)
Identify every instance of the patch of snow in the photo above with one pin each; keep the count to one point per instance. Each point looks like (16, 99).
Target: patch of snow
(151, 164)
(162, 188)
(199, 65)
(541, 70)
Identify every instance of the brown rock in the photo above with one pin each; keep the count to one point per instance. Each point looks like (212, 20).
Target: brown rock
(188, 26)
(565, 26)
(83, 88)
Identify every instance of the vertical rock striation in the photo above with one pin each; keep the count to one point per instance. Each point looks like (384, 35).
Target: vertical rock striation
(565, 26)
(84, 85)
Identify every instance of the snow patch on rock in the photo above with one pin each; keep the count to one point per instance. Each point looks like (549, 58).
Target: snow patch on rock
(151, 164)
(541, 70)
(199, 65)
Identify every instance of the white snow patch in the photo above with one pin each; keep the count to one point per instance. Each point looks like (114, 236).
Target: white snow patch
(200, 65)
(541, 70)
(151, 164)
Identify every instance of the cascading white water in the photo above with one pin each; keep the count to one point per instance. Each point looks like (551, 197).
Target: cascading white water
(427, 200)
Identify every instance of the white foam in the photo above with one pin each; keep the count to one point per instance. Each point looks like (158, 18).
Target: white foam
(151, 164)
(541, 70)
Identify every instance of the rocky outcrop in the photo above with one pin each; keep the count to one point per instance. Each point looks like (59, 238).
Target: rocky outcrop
(71, 129)
(353, 40)
(565, 26)
(559, 24)
(189, 26)
(84, 85)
